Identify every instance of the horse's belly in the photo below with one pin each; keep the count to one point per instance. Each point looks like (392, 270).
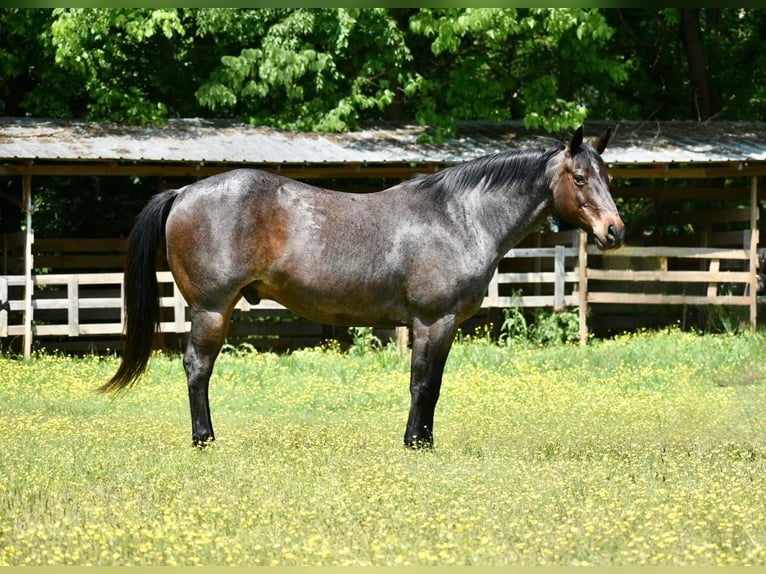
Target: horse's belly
(375, 305)
(379, 293)
(336, 306)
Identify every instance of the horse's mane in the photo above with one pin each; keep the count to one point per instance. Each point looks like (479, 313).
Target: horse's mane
(488, 171)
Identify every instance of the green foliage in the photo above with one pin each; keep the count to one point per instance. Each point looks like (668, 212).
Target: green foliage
(515, 327)
(118, 54)
(336, 69)
(547, 327)
(240, 349)
(555, 327)
(363, 341)
(312, 69)
(728, 320)
(30, 82)
(538, 64)
(659, 85)
(90, 212)
(327, 69)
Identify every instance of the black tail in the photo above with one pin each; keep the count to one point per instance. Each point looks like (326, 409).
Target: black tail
(142, 306)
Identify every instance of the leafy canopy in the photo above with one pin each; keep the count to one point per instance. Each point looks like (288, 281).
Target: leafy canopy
(336, 69)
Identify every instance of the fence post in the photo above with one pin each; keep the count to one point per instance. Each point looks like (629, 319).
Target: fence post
(558, 278)
(582, 283)
(712, 288)
(5, 307)
(73, 303)
(179, 310)
(402, 339)
(122, 303)
(753, 247)
(493, 291)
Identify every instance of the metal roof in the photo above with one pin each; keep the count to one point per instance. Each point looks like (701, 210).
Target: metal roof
(219, 141)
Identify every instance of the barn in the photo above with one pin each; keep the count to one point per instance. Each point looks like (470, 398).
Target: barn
(690, 192)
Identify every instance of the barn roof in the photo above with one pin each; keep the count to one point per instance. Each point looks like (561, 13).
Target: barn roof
(202, 141)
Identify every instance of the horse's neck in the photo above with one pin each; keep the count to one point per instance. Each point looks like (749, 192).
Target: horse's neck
(508, 213)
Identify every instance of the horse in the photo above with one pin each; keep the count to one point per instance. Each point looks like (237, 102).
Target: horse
(418, 254)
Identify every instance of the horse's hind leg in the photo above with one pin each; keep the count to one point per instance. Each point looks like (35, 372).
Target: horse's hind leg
(208, 331)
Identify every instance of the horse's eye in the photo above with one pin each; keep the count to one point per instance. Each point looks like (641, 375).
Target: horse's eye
(579, 179)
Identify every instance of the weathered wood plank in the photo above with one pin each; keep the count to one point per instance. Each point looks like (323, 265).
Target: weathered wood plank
(663, 299)
(679, 252)
(669, 276)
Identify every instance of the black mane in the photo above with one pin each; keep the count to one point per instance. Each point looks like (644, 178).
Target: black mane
(494, 168)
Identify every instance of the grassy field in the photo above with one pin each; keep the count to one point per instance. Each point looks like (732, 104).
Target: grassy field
(645, 449)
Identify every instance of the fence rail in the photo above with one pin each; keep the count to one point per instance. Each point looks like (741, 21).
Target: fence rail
(713, 276)
(87, 304)
(559, 277)
(73, 302)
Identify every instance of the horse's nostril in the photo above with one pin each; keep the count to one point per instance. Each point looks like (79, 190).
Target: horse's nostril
(611, 232)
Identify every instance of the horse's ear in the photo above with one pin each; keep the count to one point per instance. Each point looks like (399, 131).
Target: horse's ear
(600, 143)
(576, 141)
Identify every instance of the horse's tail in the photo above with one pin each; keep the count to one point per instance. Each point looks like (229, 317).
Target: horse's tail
(142, 306)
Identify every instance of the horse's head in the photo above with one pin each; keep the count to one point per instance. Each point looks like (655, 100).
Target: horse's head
(581, 191)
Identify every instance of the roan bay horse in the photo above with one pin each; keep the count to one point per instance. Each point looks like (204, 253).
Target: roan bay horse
(420, 253)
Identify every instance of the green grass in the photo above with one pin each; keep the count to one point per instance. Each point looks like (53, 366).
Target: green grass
(646, 449)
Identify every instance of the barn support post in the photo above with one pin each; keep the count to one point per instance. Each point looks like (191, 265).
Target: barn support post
(582, 283)
(753, 252)
(29, 239)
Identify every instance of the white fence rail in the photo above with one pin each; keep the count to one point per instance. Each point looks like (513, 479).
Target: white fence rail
(559, 277)
(73, 301)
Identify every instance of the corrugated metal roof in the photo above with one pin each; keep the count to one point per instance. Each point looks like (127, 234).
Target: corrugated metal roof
(217, 141)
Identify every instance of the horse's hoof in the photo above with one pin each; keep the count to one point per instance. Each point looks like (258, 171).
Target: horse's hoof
(419, 444)
(203, 442)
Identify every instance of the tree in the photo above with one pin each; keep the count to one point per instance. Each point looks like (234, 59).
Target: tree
(706, 95)
(332, 69)
(691, 63)
(329, 68)
(133, 62)
(547, 66)
(310, 69)
(340, 68)
(30, 83)
(736, 60)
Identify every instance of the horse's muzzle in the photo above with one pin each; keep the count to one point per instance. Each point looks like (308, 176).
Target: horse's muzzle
(612, 237)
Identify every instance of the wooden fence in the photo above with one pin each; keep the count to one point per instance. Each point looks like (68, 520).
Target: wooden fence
(575, 275)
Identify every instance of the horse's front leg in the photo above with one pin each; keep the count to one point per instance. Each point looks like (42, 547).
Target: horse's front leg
(430, 347)
(205, 340)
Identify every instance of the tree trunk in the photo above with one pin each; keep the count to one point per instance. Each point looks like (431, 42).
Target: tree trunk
(394, 111)
(706, 104)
